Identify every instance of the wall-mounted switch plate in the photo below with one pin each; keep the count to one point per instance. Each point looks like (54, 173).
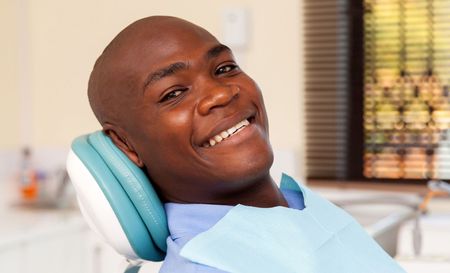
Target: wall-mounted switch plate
(236, 27)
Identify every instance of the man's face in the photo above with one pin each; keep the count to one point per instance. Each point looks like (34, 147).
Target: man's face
(198, 122)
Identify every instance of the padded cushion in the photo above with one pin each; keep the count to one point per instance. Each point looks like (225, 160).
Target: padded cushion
(129, 192)
(93, 202)
(137, 185)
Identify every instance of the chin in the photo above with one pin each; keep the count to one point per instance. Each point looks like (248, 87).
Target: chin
(245, 167)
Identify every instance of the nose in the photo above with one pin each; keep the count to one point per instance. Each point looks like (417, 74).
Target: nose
(217, 96)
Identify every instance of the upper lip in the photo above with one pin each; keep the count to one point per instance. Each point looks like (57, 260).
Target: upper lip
(225, 124)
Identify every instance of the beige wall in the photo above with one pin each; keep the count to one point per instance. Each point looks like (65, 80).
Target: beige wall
(9, 71)
(65, 37)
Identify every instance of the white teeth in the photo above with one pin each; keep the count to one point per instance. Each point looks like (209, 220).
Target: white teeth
(231, 130)
(226, 134)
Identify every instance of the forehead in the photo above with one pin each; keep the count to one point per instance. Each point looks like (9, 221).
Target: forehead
(154, 44)
(141, 49)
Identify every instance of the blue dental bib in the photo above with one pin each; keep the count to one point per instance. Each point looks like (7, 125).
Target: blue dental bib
(321, 238)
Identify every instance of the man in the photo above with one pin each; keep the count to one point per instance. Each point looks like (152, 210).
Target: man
(174, 100)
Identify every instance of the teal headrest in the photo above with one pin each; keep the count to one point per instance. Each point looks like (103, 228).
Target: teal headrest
(129, 192)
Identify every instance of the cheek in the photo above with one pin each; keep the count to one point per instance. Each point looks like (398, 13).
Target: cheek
(167, 159)
(157, 132)
(178, 120)
(256, 96)
(173, 135)
(253, 90)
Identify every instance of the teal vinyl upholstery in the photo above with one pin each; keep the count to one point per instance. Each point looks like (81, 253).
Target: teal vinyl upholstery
(130, 193)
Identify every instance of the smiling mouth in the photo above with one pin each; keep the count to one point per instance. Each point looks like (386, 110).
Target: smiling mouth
(222, 136)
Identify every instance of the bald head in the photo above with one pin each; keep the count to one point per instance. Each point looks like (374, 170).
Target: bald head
(116, 79)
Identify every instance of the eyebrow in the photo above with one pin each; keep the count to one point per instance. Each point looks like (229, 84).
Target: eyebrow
(164, 72)
(178, 66)
(216, 51)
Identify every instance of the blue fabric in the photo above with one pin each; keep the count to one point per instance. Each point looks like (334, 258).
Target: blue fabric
(188, 220)
(321, 238)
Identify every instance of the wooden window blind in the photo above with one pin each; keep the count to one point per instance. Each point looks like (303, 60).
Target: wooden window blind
(326, 42)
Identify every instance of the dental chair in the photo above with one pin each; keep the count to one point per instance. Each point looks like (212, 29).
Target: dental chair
(117, 200)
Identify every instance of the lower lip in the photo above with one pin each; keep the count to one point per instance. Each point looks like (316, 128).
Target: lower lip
(244, 134)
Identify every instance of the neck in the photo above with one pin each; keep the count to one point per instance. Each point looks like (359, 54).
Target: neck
(264, 193)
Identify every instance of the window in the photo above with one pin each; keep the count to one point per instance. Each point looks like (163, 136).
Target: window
(406, 78)
(377, 89)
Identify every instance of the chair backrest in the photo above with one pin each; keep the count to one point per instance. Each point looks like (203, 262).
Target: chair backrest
(117, 199)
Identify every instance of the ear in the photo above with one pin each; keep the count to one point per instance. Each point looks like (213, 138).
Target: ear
(122, 143)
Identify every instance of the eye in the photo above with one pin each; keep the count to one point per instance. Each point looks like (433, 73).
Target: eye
(226, 69)
(173, 94)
